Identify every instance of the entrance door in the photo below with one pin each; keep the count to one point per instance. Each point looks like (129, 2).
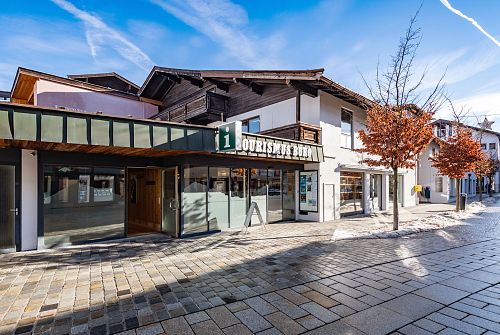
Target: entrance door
(9, 211)
(375, 192)
(144, 201)
(170, 213)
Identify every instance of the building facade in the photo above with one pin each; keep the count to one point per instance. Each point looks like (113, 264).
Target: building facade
(94, 156)
(442, 189)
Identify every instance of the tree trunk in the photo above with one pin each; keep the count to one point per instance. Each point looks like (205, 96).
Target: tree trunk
(481, 188)
(458, 181)
(395, 209)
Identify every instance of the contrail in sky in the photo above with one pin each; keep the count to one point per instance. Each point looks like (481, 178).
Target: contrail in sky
(446, 3)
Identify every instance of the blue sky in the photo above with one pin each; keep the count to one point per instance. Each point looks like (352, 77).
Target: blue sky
(346, 37)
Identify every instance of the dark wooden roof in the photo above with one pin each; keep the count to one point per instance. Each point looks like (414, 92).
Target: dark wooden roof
(161, 80)
(109, 79)
(4, 94)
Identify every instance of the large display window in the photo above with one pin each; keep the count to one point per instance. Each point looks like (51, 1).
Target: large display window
(82, 204)
(351, 193)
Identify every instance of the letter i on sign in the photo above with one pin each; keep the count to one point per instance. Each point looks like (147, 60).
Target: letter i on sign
(226, 138)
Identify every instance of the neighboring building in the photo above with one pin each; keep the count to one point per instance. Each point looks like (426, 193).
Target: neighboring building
(95, 157)
(441, 189)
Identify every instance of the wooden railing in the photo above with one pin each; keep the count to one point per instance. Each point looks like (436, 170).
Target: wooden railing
(297, 131)
(209, 105)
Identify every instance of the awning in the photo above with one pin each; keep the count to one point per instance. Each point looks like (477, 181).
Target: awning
(39, 128)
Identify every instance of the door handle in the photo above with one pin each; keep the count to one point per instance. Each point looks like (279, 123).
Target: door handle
(15, 210)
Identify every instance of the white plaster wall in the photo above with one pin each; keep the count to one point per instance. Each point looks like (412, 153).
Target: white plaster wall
(29, 200)
(427, 177)
(273, 116)
(50, 94)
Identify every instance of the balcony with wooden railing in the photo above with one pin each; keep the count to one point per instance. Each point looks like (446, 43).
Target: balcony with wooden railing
(199, 110)
(299, 131)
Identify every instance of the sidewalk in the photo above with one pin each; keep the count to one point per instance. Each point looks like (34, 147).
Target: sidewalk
(423, 217)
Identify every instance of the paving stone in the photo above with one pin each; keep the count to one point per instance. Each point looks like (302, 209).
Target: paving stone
(260, 305)
(252, 320)
(293, 296)
(237, 306)
(442, 294)
(377, 320)
(150, 330)
(310, 322)
(206, 328)
(414, 330)
(412, 306)
(196, 317)
(321, 299)
(337, 327)
(350, 302)
(285, 324)
(177, 326)
(482, 313)
(465, 284)
(222, 316)
(270, 331)
(455, 324)
(288, 308)
(429, 325)
(238, 329)
(483, 323)
(487, 277)
(342, 310)
(320, 312)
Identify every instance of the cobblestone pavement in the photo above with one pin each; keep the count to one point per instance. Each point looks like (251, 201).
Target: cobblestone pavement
(287, 279)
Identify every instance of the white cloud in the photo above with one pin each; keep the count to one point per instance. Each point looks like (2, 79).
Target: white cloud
(99, 34)
(225, 23)
(447, 4)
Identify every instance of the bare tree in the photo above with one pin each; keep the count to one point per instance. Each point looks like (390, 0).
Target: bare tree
(400, 96)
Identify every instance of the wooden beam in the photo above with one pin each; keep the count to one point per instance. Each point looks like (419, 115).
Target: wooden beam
(256, 88)
(150, 101)
(173, 78)
(304, 88)
(194, 81)
(220, 85)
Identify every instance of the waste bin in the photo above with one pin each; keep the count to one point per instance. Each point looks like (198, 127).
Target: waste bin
(463, 201)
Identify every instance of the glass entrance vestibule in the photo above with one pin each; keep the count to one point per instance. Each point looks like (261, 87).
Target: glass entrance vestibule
(218, 198)
(88, 203)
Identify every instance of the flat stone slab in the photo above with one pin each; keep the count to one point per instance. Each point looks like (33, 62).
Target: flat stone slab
(440, 293)
(412, 306)
(466, 284)
(377, 320)
(338, 327)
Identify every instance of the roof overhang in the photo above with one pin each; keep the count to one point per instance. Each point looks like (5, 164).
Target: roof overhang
(160, 80)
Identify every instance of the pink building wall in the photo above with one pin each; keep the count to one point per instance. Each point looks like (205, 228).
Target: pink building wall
(54, 95)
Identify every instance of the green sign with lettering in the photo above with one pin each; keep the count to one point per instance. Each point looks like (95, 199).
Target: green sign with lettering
(229, 136)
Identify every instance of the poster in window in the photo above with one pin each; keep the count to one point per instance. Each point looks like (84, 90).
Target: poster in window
(308, 191)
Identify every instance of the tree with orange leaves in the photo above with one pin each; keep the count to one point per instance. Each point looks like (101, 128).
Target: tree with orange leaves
(398, 125)
(457, 155)
(394, 138)
(484, 167)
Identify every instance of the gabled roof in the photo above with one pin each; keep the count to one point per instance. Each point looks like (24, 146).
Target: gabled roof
(22, 88)
(107, 79)
(160, 80)
(467, 126)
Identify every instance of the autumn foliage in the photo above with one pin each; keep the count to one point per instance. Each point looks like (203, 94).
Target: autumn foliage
(458, 154)
(485, 166)
(395, 136)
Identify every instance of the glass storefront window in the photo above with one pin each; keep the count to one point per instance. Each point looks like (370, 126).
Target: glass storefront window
(82, 204)
(218, 198)
(288, 195)
(194, 200)
(351, 193)
(239, 197)
(258, 192)
(275, 199)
